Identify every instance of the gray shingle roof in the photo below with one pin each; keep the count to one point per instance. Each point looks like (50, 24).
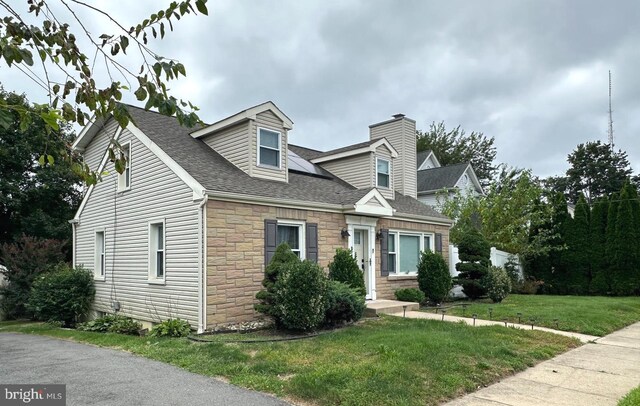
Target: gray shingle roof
(421, 156)
(215, 173)
(443, 177)
(306, 153)
(347, 148)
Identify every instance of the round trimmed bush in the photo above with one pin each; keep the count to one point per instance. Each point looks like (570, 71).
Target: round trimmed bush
(343, 304)
(497, 284)
(63, 295)
(410, 295)
(434, 278)
(344, 268)
(300, 296)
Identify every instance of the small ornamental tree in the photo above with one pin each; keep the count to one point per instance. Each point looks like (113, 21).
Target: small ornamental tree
(300, 296)
(474, 252)
(281, 258)
(434, 278)
(345, 269)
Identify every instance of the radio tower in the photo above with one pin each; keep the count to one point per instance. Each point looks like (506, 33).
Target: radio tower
(610, 116)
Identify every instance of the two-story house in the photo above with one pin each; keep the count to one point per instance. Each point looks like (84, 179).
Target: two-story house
(435, 181)
(187, 229)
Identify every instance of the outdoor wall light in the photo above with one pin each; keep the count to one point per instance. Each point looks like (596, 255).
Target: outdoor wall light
(379, 235)
(344, 233)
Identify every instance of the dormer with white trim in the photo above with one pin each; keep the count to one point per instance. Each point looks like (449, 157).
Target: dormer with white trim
(364, 165)
(254, 140)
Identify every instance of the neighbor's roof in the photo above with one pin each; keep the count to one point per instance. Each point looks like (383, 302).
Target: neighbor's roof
(304, 152)
(444, 177)
(421, 156)
(215, 173)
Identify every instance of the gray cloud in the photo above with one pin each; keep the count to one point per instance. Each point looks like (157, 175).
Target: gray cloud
(533, 74)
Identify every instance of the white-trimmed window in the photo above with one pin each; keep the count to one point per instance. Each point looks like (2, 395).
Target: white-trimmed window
(124, 178)
(99, 268)
(268, 148)
(404, 251)
(292, 232)
(383, 170)
(157, 257)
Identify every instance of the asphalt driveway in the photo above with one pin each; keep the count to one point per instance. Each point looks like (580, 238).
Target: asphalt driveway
(100, 376)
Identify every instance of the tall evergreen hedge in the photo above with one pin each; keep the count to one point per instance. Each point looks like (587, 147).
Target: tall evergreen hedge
(577, 256)
(474, 252)
(600, 281)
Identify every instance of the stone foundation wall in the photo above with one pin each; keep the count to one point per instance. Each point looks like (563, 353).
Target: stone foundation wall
(235, 254)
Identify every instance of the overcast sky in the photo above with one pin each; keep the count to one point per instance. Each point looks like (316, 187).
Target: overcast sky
(532, 74)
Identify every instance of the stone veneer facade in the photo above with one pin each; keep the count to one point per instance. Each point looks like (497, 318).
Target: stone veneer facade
(235, 254)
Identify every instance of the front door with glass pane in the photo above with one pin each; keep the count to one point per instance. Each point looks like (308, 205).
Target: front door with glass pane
(361, 251)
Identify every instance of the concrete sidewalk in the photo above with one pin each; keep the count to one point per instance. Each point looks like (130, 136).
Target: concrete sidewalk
(585, 338)
(598, 373)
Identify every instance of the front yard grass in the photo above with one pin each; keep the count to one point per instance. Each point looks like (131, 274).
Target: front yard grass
(594, 315)
(390, 361)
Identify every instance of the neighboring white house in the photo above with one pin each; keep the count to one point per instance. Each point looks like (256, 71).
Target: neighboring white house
(435, 179)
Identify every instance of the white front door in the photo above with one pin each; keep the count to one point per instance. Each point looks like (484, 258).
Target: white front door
(362, 253)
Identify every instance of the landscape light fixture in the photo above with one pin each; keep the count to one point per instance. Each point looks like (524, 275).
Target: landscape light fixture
(519, 318)
(443, 312)
(532, 320)
(474, 318)
(491, 313)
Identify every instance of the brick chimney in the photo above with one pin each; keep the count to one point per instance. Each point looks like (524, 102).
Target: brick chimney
(400, 131)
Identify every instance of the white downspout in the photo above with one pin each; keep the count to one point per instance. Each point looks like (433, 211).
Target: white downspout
(202, 261)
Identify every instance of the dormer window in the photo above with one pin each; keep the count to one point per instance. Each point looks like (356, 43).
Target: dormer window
(268, 148)
(383, 170)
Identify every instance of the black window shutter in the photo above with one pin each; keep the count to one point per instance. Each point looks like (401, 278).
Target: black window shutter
(439, 243)
(270, 239)
(312, 242)
(384, 252)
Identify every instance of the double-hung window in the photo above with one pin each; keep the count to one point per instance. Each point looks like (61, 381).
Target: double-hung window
(293, 235)
(100, 259)
(404, 251)
(124, 178)
(383, 170)
(157, 251)
(268, 148)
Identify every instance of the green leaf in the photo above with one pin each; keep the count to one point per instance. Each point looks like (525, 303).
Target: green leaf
(141, 93)
(50, 118)
(41, 160)
(43, 54)
(56, 88)
(50, 159)
(124, 43)
(6, 118)
(201, 6)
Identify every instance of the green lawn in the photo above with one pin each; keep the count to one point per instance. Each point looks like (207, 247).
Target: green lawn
(632, 398)
(595, 315)
(390, 361)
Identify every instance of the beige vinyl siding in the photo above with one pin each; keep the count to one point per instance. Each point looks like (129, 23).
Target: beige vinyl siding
(156, 193)
(401, 133)
(269, 121)
(374, 202)
(232, 144)
(356, 170)
(383, 153)
(94, 152)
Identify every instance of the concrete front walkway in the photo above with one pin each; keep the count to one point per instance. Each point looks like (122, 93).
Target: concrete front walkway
(585, 338)
(597, 373)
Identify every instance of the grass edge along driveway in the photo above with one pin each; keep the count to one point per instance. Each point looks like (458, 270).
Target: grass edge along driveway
(390, 361)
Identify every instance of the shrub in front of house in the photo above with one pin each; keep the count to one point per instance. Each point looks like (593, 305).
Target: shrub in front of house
(410, 295)
(434, 278)
(343, 304)
(497, 284)
(513, 270)
(62, 295)
(282, 257)
(344, 268)
(171, 328)
(112, 323)
(25, 260)
(300, 296)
